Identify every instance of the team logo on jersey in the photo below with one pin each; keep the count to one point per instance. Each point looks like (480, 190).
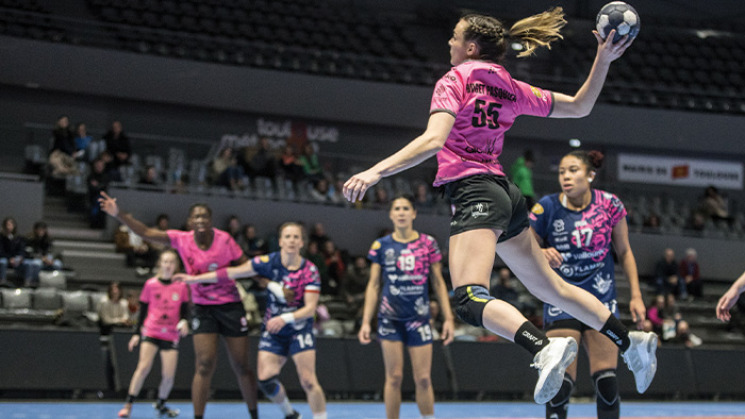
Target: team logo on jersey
(264, 258)
(537, 93)
(212, 267)
(480, 210)
(559, 226)
(375, 245)
(602, 285)
(174, 296)
(554, 311)
(537, 209)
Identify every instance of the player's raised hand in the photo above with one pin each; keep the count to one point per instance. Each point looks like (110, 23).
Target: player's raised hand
(357, 185)
(108, 204)
(609, 51)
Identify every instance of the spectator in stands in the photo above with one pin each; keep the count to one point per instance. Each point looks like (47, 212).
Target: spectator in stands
(422, 196)
(82, 143)
(714, 206)
(684, 336)
(150, 176)
(503, 288)
(39, 250)
(354, 285)
(336, 266)
(321, 191)
(98, 181)
(318, 234)
(697, 222)
(139, 254)
(521, 173)
(251, 243)
(61, 157)
(233, 227)
(117, 143)
(667, 280)
(13, 253)
(656, 313)
(380, 198)
(337, 193)
(315, 255)
(689, 271)
(226, 172)
(113, 311)
(162, 224)
(290, 164)
(311, 165)
(264, 162)
(652, 223)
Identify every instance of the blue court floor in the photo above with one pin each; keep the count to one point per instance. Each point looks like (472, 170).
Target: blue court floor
(372, 410)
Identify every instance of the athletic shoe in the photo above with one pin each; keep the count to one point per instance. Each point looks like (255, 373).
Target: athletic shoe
(551, 362)
(641, 358)
(294, 415)
(165, 411)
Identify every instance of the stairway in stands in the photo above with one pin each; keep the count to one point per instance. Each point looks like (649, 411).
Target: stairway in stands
(88, 252)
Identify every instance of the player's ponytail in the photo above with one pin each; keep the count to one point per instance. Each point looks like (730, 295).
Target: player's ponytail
(532, 32)
(538, 30)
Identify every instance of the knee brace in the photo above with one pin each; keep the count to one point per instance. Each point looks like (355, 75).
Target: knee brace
(606, 389)
(558, 406)
(270, 386)
(470, 301)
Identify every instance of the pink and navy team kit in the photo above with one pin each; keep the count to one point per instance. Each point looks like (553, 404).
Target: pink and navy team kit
(197, 261)
(164, 300)
(485, 100)
(403, 313)
(296, 337)
(583, 238)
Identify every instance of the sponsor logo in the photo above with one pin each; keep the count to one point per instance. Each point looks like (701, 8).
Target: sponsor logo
(195, 324)
(264, 258)
(602, 285)
(530, 336)
(390, 256)
(480, 210)
(174, 296)
(537, 93)
(613, 336)
(554, 311)
(558, 226)
(375, 245)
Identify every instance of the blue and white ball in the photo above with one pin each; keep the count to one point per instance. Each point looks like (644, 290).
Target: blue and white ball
(620, 16)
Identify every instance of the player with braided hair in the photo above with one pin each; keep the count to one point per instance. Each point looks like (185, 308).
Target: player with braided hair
(472, 108)
(577, 228)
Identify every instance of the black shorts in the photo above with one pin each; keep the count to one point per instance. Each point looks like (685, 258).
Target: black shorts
(572, 324)
(225, 319)
(163, 345)
(487, 201)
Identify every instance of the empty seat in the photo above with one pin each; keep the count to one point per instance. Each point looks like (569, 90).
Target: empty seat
(75, 301)
(16, 298)
(47, 299)
(52, 279)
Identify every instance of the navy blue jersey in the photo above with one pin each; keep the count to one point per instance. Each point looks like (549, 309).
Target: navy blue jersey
(405, 272)
(583, 238)
(303, 280)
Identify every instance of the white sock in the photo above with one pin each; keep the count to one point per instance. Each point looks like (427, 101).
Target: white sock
(286, 406)
(428, 416)
(320, 415)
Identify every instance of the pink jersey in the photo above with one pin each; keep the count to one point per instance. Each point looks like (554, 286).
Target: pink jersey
(485, 100)
(197, 261)
(163, 308)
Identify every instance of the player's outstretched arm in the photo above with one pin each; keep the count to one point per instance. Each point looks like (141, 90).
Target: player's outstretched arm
(730, 298)
(418, 150)
(244, 270)
(583, 101)
(109, 206)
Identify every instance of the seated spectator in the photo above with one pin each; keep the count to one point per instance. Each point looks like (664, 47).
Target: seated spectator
(652, 223)
(684, 336)
(656, 313)
(321, 191)
(318, 234)
(139, 254)
(263, 163)
(355, 283)
(290, 164)
(61, 157)
(117, 143)
(226, 172)
(311, 165)
(422, 196)
(714, 206)
(315, 255)
(113, 311)
(233, 227)
(380, 198)
(150, 177)
(98, 181)
(39, 249)
(689, 271)
(336, 266)
(251, 243)
(667, 280)
(162, 224)
(13, 254)
(83, 142)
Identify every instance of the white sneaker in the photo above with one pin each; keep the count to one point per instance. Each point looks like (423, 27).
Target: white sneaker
(641, 358)
(551, 362)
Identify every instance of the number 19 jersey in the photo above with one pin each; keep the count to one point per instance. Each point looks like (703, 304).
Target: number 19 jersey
(404, 270)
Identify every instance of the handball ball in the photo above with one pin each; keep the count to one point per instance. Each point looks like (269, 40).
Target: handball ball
(619, 16)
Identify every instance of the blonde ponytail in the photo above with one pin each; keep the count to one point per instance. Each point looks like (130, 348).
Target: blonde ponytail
(538, 30)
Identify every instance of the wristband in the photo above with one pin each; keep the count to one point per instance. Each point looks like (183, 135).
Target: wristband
(289, 318)
(222, 275)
